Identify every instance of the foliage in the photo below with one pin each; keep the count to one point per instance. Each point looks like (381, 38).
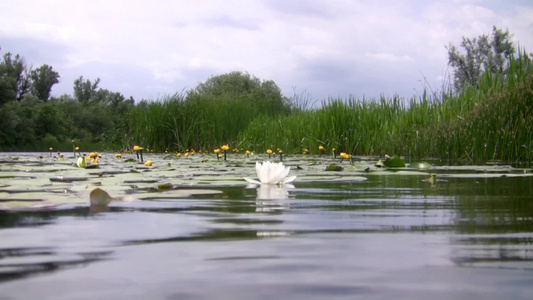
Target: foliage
(482, 54)
(207, 116)
(32, 124)
(266, 94)
(491, 120)
(85, 90)
(43, 78)
(13, 82)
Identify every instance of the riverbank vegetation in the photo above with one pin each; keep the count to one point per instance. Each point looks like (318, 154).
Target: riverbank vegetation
(485, 113)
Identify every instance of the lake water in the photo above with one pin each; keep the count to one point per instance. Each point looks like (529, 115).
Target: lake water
(389, 237)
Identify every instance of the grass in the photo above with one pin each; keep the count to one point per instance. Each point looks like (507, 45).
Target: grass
(493, 122)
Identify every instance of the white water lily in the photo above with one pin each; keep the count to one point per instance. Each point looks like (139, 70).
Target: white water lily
(271, 173)
(81, 163)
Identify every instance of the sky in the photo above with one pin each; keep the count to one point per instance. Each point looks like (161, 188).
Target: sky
(318, 49)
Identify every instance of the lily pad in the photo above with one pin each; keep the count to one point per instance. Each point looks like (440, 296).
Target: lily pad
(100, 197)
(394, 162)
(176, 194)
(334, 167)
(421, 165)
(34, 200)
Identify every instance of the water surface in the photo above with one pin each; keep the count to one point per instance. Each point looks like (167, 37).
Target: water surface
(399, 237)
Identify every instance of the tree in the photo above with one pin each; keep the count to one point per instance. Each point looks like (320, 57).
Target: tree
(482, 54)
(14, 82)
(235, 83)
(266, 94)
(85, 90)
(43, 79)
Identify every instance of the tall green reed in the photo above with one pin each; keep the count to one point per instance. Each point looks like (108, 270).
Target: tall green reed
(492, 122)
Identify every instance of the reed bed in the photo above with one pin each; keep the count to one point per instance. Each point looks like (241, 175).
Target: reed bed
(491, 122)
(180, 123)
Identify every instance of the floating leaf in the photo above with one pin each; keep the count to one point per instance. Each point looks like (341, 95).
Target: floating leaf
(165, 186)
(394, 162)
(380, 164)
(67, 179)
(176, 194)
(421, 165)
(334, 167)
(100, 197)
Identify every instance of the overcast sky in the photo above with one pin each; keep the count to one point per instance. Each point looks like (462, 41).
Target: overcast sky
(324, 48)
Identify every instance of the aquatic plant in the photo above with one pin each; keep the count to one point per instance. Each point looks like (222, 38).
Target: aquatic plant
(269, 152)
(225, 148)
(271, 173)
(81, 162)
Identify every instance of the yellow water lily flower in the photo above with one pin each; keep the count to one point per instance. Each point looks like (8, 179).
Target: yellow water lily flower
(93, 154)
(321, 148)
(148, 163)
(178, 154)
(269, 151)
(217, 151)
(77, 148)
(118, 155)
(225, 147)
(136, 148)
(345, 155)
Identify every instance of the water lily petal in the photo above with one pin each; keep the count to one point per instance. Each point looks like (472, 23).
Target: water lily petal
(271, 173)
(250, 180)
(288, 179)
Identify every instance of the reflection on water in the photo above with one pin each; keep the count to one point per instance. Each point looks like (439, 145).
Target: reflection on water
(271, 197)
(387, 237)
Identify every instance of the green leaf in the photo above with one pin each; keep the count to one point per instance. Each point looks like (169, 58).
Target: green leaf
(334, 167)
(394, 162)
(100, 197)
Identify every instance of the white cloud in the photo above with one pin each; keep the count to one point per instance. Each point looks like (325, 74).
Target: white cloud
(389, 57)
(328, 48)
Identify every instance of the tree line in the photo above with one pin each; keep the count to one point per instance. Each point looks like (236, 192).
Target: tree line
(215, 112)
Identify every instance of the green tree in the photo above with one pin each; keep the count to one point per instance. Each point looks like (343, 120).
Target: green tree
(43, 78)
(14, 82)
(266, 94)
(47, 121)
(481, 54)
(85, 91)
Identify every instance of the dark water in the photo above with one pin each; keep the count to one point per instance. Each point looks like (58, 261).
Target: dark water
(390, 237)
